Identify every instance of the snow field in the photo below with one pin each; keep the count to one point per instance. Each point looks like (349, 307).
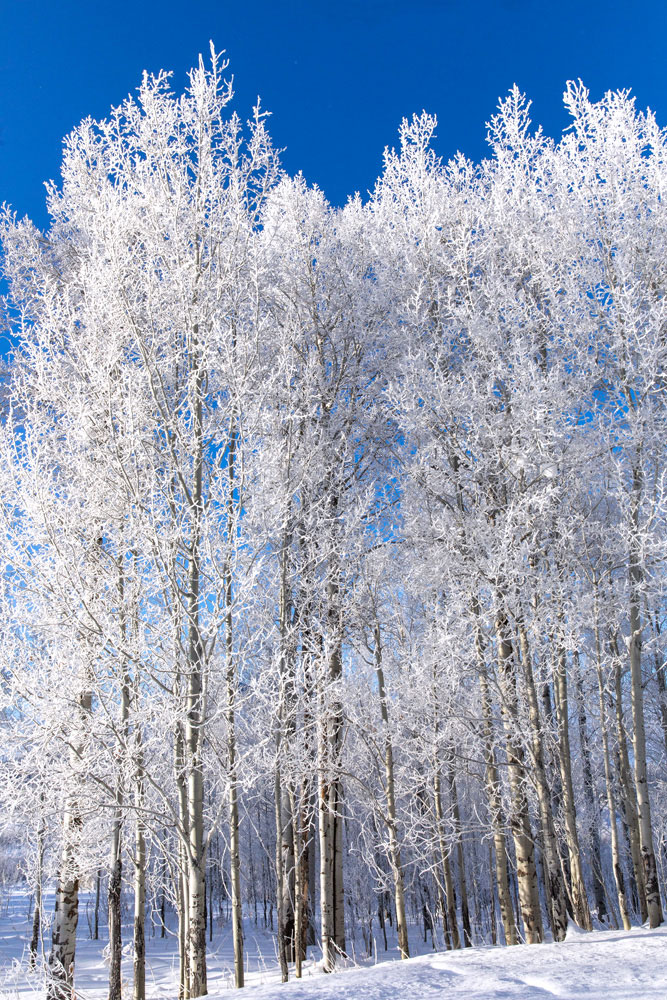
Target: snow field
(604, 965)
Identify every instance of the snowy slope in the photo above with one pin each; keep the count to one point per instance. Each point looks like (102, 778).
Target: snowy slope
(605, 965)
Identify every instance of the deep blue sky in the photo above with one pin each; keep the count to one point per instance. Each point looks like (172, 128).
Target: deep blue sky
(338, 75)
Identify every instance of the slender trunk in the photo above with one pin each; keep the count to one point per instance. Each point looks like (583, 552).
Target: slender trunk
(280, 874)
(636, 575)
(493, 789)
(297, 842)
(183, 972)
(463, 890)
(289, 875)
(285, 731)
(330, 737)
(599, 891)
(98, 888)
(182, 889)
(520, 820)
(337, 815)
(139, 914)
(310, 866)
(196, 889)
(325, 830)
(628, 797)
(37, 915)
(114, 901)
(195, 798)
(36, 921)
(116, 872)
(139, 992)
(209, 898)
(234, 831)
(442, 904)
(450, 894)
(578, 888)
(308, 799)
(116, 866)
(230, 677)
(609, 782)
(390, 800)
(63, 934)
(163, 909)
(553, 878)
(66, 917)
(494, 799)
(552, 766)
(492, 898)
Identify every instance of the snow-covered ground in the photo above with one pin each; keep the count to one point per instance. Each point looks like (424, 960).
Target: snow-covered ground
(605, 965)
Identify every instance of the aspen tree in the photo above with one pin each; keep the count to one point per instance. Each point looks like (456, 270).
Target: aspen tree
(520, 819)
(619, 878)
(66, 917)
(577, 885)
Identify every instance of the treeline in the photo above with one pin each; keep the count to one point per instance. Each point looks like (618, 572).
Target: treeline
(334, 539)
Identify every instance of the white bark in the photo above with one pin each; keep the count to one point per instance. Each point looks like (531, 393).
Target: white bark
(66, 916)
(520, 820)
(608, 775)
(653, 903)
(390, 799)
(577, 886)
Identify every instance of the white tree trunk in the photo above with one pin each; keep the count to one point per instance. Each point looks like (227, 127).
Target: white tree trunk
(280, 863)
(554, 886)
(116, 866)
(582, 913)
(234, 829)
(494, 795)
(182, 893)
(529, 898)
(627, 789)
(652, 888)
(66, 916)
(390, 799)
(609, 781)
(37, 915)
(139, 991)
(451, 918)
(463, 889)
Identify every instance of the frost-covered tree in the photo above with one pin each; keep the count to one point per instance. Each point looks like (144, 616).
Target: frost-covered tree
(334, 538)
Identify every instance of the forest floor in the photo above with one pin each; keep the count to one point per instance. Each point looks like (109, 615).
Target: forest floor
(604, 965)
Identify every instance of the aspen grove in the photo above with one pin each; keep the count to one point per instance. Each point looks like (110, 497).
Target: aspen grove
(334, 540)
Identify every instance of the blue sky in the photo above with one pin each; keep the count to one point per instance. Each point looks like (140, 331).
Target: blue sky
(337, 76)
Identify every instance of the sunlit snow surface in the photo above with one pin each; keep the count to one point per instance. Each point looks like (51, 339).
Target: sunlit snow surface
(605, 965)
